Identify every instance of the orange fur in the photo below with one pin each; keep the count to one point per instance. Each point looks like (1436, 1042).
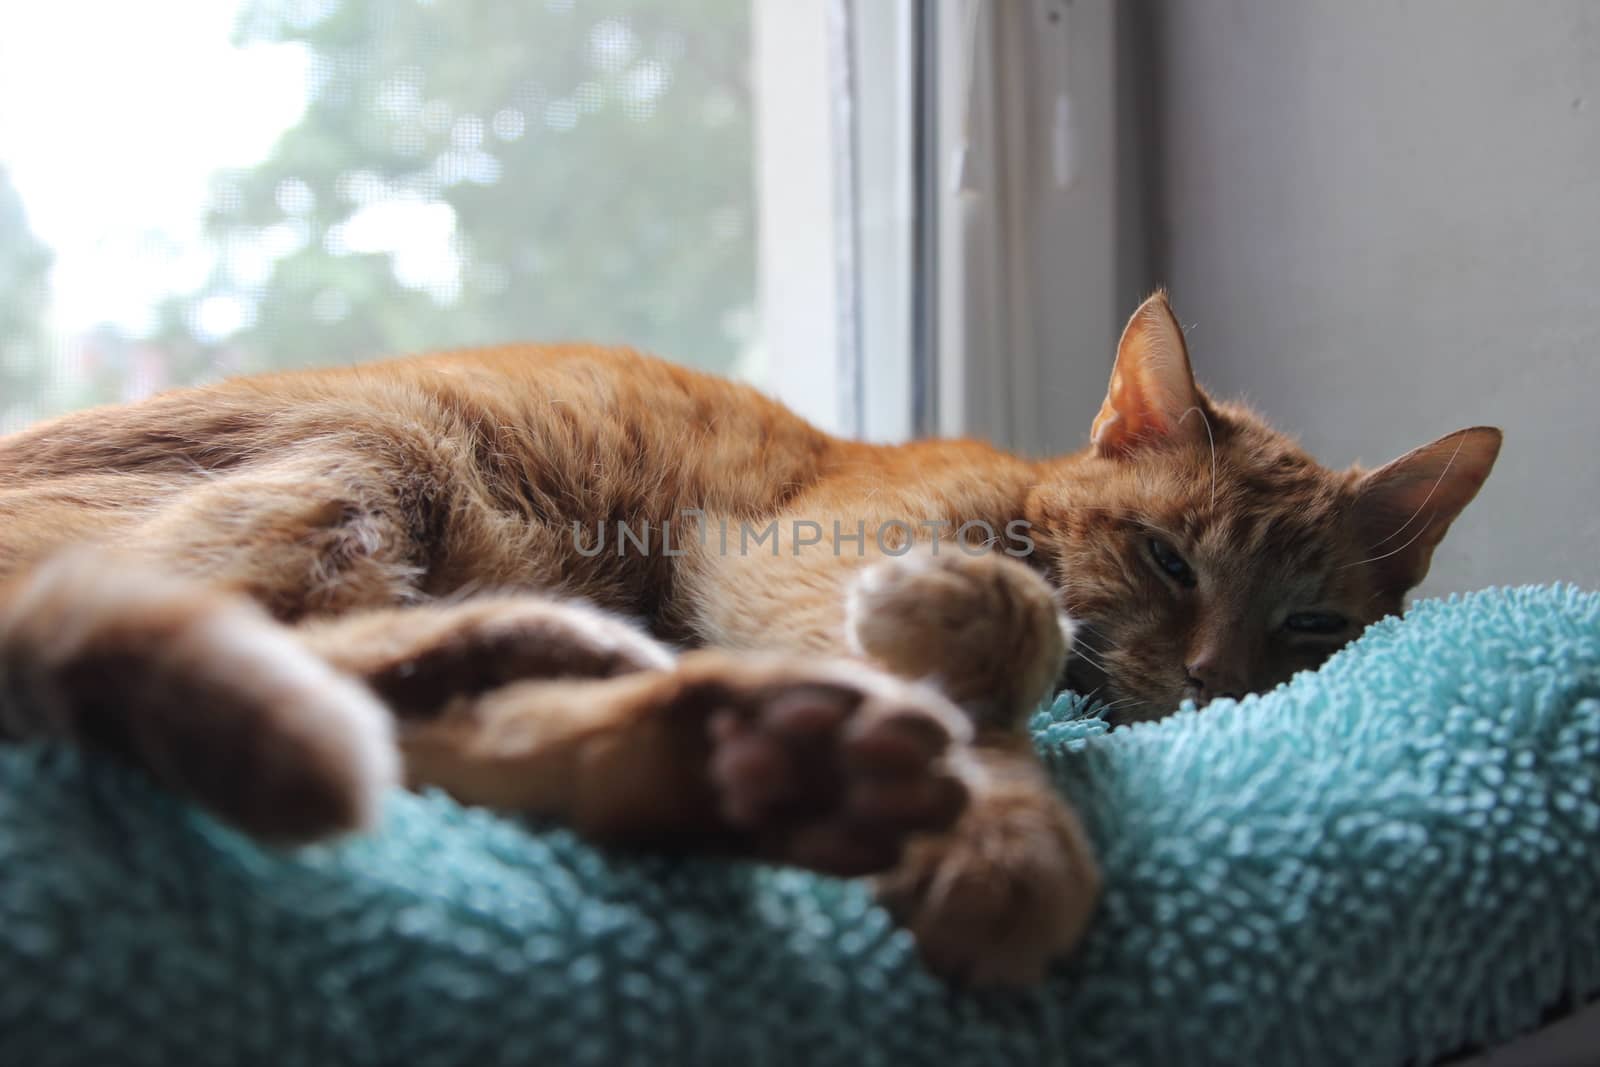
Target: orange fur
(371, 508)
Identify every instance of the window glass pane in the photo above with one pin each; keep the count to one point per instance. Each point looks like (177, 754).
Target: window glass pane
(204, 188)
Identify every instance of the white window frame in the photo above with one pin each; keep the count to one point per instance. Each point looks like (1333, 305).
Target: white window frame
(834, 126)
(798, 243)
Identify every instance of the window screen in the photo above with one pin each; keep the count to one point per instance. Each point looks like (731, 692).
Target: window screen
(204, 188)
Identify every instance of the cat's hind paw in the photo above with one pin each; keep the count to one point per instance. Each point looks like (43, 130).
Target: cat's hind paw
(201, 690)
(829, 765)
(832, 778)
(832, 775)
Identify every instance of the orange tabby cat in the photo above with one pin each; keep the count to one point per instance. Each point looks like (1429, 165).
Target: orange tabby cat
(273, 592)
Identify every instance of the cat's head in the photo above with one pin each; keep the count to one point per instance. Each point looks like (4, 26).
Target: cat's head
(1204, 554)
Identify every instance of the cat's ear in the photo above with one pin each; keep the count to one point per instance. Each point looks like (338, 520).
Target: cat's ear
(1153, 398)
(1403, 508)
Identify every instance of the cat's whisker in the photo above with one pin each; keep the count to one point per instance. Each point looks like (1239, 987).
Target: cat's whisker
(1106, 648)
(1097, 664)
(1373, 559)
(1121, 705)
(1089, 652)
(1432, 490)
(1420, 507)
(1212, 441)
(1080, 642)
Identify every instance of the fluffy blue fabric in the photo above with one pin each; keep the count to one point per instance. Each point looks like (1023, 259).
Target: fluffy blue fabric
(1388, 860)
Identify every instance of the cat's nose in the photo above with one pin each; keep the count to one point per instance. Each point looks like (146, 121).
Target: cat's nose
(1213, 679)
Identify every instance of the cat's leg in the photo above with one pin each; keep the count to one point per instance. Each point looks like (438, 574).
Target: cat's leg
(1012, 885)
(200, 688)
(422, 659)
(827, 765)
(550, 708)
(304, 535)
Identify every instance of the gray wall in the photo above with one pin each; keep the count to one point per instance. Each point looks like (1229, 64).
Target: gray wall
(1380, 221)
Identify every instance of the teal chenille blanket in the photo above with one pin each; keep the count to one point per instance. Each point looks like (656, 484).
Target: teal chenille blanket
(1393, 859)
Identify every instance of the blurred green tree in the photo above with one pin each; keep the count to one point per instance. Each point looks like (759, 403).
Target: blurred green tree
(24, 296)
(473, 171)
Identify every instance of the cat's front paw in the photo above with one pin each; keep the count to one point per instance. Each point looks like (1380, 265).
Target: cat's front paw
(1009, 890)
(984, 628)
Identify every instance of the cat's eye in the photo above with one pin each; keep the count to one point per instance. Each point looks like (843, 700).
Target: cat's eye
(1315, 622)
(1172, 564)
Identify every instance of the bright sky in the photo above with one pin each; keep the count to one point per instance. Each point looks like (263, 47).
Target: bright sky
(112, 118)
